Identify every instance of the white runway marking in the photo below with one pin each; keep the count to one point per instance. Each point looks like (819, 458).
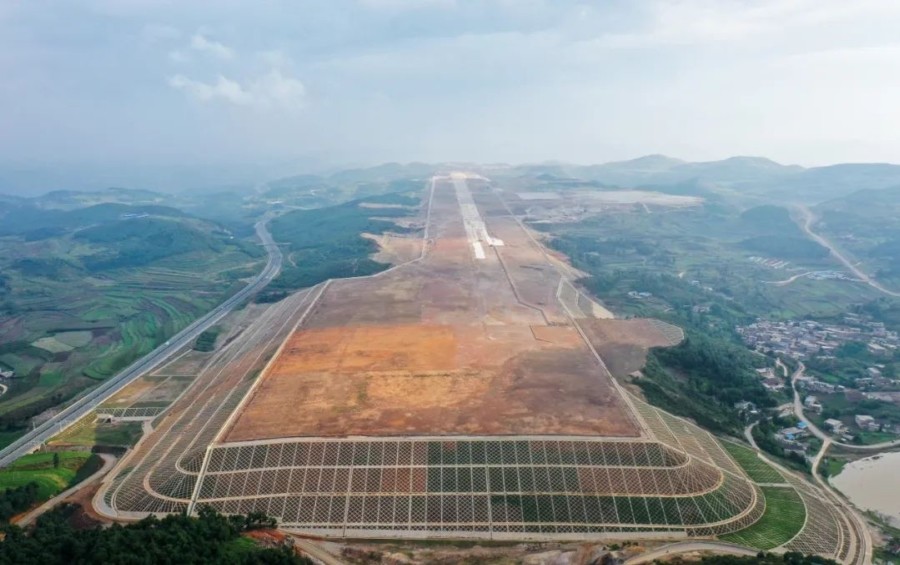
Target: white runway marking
(476, 230)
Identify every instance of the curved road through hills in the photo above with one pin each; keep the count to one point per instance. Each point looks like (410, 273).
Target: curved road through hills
(862, 530)
(808, 220)
(668, 551)
(94, 397)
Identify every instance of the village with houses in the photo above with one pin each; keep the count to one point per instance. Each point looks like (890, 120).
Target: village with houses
(839, 407)
(804, 338)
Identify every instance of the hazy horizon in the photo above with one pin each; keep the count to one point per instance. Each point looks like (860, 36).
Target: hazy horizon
(38, 180)
(233, 92)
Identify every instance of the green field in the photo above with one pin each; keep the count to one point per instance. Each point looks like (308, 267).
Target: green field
(631, 251)
(783, 519)
(92, 281)
(206, 341)
(7, 438)
(833, 466)
(785, 512)
(38, 467)
(869, 438)
(758, 470)
(89, 434)
(310, 192)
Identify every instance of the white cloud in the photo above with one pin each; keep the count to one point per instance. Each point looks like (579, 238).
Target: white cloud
(199, 42)
(882, 54)
(399, 5)
(687, 22)
(223, 88)
(273, 90)
(177, 56)
(275, 58)
(797, 80)
(157, 33)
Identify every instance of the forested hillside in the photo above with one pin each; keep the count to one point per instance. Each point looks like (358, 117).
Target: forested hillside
(209, 538)
(327, 243)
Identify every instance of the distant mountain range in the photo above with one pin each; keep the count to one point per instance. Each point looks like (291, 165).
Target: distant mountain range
(755, 177)
(752, 176)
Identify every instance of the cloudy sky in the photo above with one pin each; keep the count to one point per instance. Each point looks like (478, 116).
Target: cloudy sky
(156, 82)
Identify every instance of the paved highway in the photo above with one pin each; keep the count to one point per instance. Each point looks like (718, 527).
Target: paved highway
(859, 525)
(861, 529)
(94, 397)
(808, 220)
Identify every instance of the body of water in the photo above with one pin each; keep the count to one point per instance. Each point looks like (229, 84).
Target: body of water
(873, 483)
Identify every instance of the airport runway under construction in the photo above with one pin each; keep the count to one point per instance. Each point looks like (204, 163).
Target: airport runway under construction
(459, 395)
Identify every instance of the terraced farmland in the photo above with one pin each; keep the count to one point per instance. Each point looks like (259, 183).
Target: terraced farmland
(89, 320)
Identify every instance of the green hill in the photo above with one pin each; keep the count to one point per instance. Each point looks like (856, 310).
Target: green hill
(122, 278)
(326, 243)
(36, 223)
(140, 241)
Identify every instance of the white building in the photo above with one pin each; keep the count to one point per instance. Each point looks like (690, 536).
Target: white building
(834, 425)
(866, 422)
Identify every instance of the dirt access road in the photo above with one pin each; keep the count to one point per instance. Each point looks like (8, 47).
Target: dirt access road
(108, 462)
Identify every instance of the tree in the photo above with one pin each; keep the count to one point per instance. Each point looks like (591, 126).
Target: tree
(177, 538)
(56, 460)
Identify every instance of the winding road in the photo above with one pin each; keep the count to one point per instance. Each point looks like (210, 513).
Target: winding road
(95, 396)
(816, 431)
(862, 529)
(808, 220)
(789, 280)
(668, 551)
(108, 462)
(312, 550)
(863, 536)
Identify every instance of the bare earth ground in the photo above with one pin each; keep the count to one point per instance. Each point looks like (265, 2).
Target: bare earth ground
(573, 205)
(188, 363)
(149, 389)
(624, 344)
(446, 345)
(134, 391)
(395, 249)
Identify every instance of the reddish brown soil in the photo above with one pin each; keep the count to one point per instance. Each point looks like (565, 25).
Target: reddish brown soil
(86, 516)
(369, 348)
(446, 345)
(623, 344)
